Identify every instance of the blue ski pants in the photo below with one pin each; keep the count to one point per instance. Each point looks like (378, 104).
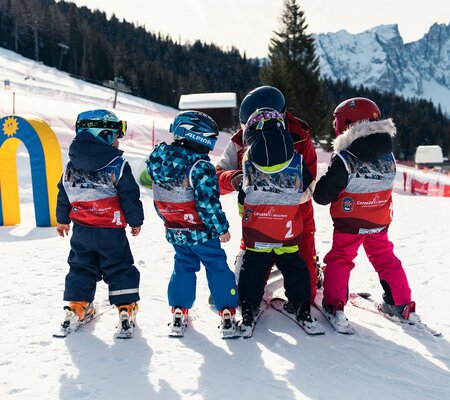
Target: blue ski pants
(221, 281)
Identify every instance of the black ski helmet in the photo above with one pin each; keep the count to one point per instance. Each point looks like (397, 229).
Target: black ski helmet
(261, 97)
(263, 119)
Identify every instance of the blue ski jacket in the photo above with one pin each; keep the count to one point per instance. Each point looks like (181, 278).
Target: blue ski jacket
(186, 195)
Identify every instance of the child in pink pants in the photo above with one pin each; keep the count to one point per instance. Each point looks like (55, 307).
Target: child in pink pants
(358, 184)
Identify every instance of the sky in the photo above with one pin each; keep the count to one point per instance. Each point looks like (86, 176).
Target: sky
(249, 24)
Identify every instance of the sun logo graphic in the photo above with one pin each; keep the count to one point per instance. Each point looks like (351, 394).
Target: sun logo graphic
(10, 126)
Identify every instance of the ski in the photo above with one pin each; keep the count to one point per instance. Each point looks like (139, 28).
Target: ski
(72, 324)
(179, 323)
(311, 328)
(339, 321)
(247, 331)
(364, 302)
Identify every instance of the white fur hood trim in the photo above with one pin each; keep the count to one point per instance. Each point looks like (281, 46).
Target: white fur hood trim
(361, 129)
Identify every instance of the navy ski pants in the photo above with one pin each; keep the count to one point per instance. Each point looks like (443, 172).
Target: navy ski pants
(221, 281)
(96, 254)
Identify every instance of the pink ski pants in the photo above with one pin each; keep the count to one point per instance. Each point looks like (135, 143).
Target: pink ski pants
(379, 250)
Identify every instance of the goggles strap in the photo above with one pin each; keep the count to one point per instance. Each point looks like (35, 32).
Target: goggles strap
(194, 136)
(121, 126)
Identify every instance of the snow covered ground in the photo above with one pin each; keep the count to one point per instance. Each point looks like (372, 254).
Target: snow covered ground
(382, 360)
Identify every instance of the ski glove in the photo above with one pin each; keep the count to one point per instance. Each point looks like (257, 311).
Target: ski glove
(236, 181)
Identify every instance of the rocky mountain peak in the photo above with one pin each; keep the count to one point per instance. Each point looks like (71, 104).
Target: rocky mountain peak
(378, 58)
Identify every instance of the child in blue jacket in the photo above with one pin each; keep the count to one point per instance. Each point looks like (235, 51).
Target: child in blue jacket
(186, 197)
(98, 193)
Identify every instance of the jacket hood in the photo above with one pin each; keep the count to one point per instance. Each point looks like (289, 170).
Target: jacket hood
(364, 129)
(168, 161)
(88, 153)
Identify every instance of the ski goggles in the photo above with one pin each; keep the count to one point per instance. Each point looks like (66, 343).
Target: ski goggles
(262, 116)
(119, 126)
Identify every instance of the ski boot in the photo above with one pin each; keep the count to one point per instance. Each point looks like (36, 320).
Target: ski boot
(404, 311)
(179, 321)
(247, 323)
(336, 317)
(302, 315)
(82, 309)
(228, 326)
(77, 313)
(127, 316)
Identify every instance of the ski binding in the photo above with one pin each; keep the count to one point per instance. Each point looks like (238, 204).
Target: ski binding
(246, 331)
(72, 323)
(179, 323)
(228, 327)
(125, 329)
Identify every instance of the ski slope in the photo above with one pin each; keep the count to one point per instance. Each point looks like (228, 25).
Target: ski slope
(382, 360)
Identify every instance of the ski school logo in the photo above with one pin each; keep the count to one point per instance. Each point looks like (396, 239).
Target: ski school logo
(247, 214)
(347, 204)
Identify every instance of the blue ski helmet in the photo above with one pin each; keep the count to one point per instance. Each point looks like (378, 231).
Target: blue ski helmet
(196, 128)
(261, 97)
(102, 124)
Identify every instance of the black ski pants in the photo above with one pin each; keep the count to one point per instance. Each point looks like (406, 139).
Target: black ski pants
(253, 276)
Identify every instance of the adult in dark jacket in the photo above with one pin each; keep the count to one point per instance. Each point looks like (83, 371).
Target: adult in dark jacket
(359, 184)
(229, 167)
(98, 193)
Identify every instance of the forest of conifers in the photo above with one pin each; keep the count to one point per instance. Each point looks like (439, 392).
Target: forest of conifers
(89, 45)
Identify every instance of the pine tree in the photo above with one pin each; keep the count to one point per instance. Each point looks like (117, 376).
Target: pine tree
(294, 69)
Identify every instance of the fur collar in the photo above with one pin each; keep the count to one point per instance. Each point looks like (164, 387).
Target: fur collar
(362, 129)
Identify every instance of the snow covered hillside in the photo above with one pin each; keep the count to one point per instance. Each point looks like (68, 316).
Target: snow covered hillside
(382, 360)
(57, 98)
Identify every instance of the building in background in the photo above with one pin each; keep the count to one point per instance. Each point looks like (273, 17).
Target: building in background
(222, 107)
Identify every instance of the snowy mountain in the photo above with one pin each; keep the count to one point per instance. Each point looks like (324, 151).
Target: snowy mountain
(378, 58)
(382, 360)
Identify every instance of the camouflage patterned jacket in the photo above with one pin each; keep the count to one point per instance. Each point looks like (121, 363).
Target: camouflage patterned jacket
(186, 195)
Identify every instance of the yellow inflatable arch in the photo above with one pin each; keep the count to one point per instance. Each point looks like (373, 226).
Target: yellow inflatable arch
(46, 168)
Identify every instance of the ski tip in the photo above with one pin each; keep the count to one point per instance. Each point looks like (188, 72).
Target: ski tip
(60, 335)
